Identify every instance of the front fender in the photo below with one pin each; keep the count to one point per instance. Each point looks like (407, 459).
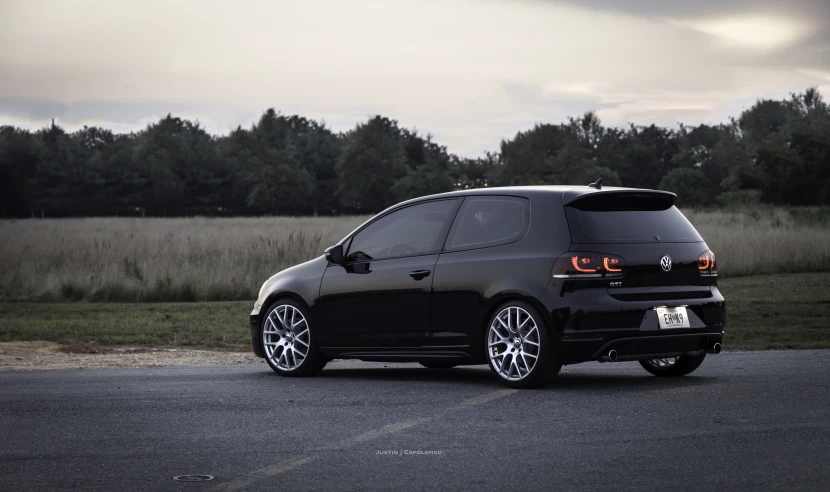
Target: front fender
(300, 282)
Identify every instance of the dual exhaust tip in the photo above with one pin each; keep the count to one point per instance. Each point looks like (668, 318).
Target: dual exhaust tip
(611, 356)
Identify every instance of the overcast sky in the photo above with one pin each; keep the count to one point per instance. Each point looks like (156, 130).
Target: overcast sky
(469, 72)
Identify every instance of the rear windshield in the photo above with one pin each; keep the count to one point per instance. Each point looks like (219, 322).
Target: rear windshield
(630, 226)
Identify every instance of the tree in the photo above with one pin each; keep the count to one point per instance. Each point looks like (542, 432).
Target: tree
(776, 150)
(691, 186)
(281, 188)
(19, 155)
(523, 159)
(372, 161)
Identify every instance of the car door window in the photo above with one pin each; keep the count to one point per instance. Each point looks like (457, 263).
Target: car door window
(489, 221)
(411, 231)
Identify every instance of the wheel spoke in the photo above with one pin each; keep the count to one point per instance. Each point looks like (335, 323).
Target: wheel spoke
(294, 353)
(514, 363)
(502, 354)
(503, 363)
(663, 362)
(527, 366)
(274, 326)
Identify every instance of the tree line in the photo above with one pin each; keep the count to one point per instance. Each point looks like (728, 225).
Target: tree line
(777, 151)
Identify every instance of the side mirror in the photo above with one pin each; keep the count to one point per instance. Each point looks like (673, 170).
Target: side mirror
(334, 254)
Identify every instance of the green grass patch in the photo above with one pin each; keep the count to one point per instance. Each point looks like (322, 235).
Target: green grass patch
(204, 324)
(777, 311)
(763, 312)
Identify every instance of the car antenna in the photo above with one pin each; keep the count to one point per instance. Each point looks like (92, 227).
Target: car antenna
(596, 184)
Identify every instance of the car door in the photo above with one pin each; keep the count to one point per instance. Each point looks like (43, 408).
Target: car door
(379, 298)
(479, 261)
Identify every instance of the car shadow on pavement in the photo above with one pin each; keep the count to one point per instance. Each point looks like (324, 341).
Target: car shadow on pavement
(457, 375)
(576, 381)
(571, 380)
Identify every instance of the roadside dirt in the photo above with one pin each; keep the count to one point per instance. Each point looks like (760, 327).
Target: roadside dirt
(16, 356)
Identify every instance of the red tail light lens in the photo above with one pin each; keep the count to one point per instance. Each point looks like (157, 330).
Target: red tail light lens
(585, 263)
(588, 265)
(706, 263)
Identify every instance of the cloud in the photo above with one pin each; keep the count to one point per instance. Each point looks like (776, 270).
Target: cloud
(471, 72)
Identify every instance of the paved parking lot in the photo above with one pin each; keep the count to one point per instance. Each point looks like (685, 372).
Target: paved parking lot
(744, 421)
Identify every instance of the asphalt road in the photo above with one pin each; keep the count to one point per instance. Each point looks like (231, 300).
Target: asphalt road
(743, 421)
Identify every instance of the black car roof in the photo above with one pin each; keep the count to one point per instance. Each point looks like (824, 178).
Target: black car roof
(569, 193)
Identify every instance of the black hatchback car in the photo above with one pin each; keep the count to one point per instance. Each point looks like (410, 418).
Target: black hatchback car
(524, 279)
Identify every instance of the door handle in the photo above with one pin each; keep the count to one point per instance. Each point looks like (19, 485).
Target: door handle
(419, 274)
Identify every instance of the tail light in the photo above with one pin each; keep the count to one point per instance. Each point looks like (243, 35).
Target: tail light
(588, 265)
(706, 264)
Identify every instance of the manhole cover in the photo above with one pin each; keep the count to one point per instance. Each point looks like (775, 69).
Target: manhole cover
(193, 478)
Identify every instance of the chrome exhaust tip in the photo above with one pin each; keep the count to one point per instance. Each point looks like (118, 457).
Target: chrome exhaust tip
(715, 348)
(610, 357)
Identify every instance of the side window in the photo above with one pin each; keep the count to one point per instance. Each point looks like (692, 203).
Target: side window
(489, 221)
(411, 231)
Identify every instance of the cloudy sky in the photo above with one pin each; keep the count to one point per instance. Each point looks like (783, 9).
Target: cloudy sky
(467, 71)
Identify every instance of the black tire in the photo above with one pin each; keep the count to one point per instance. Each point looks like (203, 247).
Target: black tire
(438, 365)
(313, 362)
(547, 364)
(685, 364)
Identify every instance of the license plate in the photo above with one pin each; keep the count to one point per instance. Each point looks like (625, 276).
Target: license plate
(672, 317)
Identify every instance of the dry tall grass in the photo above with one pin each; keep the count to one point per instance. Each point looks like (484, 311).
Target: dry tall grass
(766, 240)
(124, 259)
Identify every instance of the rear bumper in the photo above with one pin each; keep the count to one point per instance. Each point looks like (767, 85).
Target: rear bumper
(593, 323)
(641, 346)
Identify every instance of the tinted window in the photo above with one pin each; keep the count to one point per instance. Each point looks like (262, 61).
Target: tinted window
(489, 220)
(633, 226)
(414, 230)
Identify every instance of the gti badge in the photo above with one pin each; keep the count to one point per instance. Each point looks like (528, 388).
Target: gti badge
(665, 263)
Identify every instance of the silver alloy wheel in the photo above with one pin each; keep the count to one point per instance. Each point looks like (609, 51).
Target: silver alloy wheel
(286, 337)
(513, 343)
(663, 363)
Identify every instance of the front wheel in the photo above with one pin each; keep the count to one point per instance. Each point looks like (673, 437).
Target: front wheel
(288, 341)
(520, 351)
(673, 366)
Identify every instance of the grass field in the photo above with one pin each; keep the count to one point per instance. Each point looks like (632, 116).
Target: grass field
(763, 312)
(203, 259)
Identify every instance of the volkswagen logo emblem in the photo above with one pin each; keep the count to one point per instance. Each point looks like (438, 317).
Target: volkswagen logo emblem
(665, 263)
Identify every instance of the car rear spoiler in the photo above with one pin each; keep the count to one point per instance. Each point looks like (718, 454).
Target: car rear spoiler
(586, 195)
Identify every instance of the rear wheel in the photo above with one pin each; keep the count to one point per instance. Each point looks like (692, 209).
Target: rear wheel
(520, 351)
(288, 341)
(438, 365)
(673, 366)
